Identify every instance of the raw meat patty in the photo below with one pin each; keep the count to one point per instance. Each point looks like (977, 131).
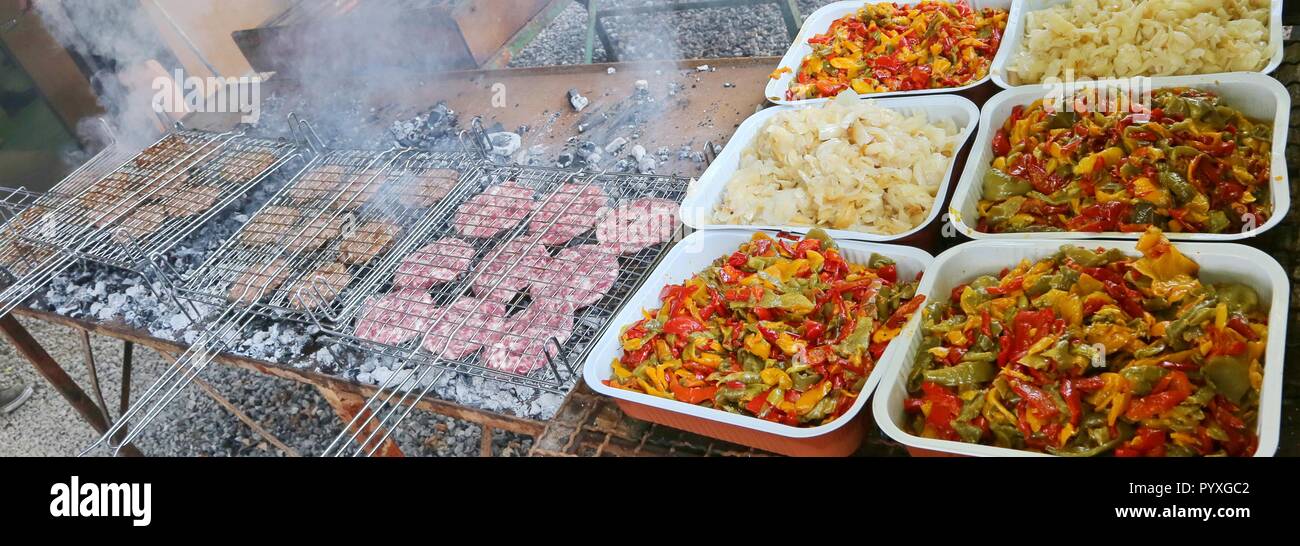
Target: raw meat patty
(436, 262)
(268, 226)
(367, 241)
(509, 269)
(395, 318)
(258, 280)
(497, 209)
(578, 277)
(525, 347)
(320, 286)
(638, 224)
(470, 324)
(574, 209)
(426, 189)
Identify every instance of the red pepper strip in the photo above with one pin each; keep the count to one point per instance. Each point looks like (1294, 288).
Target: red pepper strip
(986, 322)
(638, 356)
(1037, 399)
(904, 312)
(769, 335)
(1015, 284)
(691, 395)
(944, 407)
(812, 331)
(1071, 397)
(1170, 391)
(1242, 327)
(801, 249)
(1147, 441)
(755, 406)
(889, 273)
(738, 259)
(683, 325)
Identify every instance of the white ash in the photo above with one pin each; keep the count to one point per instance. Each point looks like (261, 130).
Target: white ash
(505, 143)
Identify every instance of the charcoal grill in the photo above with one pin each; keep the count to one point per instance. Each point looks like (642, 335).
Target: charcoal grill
(320, 201)
(393, 402)
(84, 215)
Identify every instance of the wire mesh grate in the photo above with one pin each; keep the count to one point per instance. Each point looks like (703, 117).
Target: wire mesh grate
(336, 221)
(524, 305)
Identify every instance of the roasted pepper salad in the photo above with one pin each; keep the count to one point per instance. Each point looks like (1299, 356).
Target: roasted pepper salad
(1191, 164)
(1093, 352)
(891, 47)
(784, 329)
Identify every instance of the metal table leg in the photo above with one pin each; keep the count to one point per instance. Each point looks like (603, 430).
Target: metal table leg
(32, 350)
(347, 405)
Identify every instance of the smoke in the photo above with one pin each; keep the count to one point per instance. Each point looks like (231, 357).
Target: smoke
(123, 52)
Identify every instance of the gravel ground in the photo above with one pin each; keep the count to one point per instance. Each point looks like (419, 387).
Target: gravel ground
(194, 424)
(742, 31)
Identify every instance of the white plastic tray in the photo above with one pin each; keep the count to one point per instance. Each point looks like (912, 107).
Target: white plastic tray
(1015, 34)
(1256, 95)
(1220, 262)
(693, 255)
(706, 192)
(820, 21)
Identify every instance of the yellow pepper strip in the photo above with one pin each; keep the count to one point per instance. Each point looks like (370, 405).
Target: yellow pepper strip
(776, 377)
(662, 351)
(812, 396)
(711, 360)
(992, 398)
(788, 345)
(758, 346)
(883, 335)
(620, 371)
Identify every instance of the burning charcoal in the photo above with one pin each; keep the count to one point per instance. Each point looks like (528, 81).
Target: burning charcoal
(505, 143)
(697, 157)
(646, 165)
(564, 160)
(623, 165)
(664, 152)
(577, 100)
(615, 145)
